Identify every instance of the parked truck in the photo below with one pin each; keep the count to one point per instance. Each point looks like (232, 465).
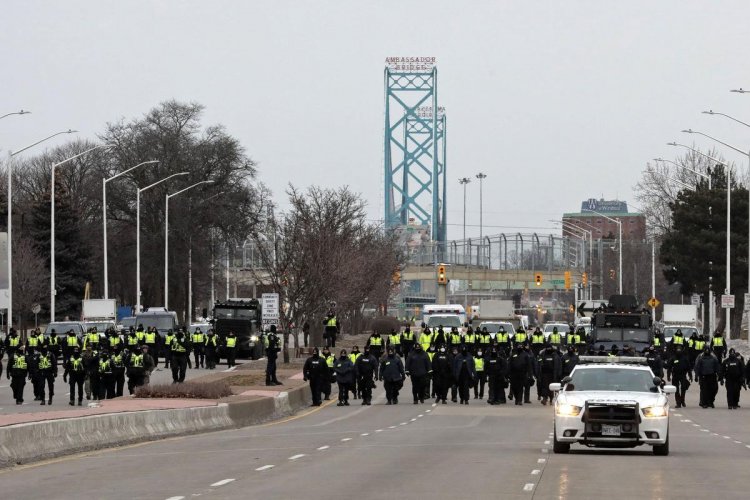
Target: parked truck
(99, 313)
(681, 317)
(496, 313)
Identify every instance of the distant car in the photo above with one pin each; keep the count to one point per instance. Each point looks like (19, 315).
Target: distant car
(205, 327)
(63, 327)
(562, 329)
(126, 323)
(687, 332)
(447, 321)
(611, 403)
(101, 326)
(494, 326)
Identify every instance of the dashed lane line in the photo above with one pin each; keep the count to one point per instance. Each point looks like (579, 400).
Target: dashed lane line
(378, 430)
(528, 487)
(175, 498)
(223, 482)
(541, 461)
(265, 467)
(346, 439)
(365, 434)
(535, 472)
(323, 448)
(295, 457)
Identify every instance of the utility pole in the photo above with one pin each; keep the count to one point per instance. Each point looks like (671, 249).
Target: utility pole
(464, 181)
(481, 178)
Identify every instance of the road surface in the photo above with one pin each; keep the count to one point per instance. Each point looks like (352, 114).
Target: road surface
(405, 451)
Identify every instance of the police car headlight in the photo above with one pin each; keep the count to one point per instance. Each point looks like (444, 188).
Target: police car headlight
(655, 411)
(566, 410)
(253, 338)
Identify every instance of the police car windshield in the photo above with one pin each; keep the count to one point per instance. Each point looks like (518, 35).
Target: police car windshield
(611, 379)
(63, 328)
(232, 313)
(159, 322)
(446, 321)
(686, 332)
(495, 327)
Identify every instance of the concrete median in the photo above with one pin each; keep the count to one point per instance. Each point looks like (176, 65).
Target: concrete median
(39, 440)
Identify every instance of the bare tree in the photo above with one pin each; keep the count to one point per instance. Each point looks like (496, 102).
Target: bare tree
(30, 278)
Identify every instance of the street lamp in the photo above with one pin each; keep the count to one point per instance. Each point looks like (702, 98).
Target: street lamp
(52, 290)
(138, 238)
(464, 181)
(481, 178)
(701, 174)
(729, 216)
(104, 220)
(166, 239)
(572, 228)
(10, 216)
(21, 112)
(619, 229)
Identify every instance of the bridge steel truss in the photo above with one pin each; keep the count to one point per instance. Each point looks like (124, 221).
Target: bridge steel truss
(415, 152)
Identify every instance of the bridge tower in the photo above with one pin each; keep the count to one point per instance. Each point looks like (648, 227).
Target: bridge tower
(415, 146)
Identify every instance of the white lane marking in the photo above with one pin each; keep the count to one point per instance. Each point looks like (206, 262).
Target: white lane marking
(714, 434)
(434, 405)
(175, 498)
(535, 472)
(222, 482)
(696, 425)
(420, 416)
(4, 386)
(541, 460)
(528, 487)
(428, 411)
(704, 430)
(346, 439)
(295, 457)
(365, 434)
(685, 420)
(545, 450)
(378, 430)
(678, 414)
(738, 442)
(323, 448)
(747, 446)
(391, 426)
(265, 467)
(413, 420)
(725, 437)
(402, 423)
(546, 442)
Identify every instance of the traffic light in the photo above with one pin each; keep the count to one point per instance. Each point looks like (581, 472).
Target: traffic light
(585, 279)
(538, 279)
(397, 277)
(442, 276)
(612, 274)
(567, 280)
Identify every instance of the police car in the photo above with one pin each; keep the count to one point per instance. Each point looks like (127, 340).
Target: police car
(614, 402)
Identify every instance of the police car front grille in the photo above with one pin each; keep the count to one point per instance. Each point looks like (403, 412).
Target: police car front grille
(612, 413)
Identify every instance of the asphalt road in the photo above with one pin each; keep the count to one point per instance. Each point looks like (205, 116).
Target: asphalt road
(62, 389)
(405, 451)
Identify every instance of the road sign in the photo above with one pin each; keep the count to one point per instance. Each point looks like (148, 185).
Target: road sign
(695, 299)
(727, 301)
(557, 282)
(270, 309)
(36, 309)
(653, 302)
(582, 309)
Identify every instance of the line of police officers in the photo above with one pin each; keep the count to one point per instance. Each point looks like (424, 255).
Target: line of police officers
(98, 363)
(438, 361)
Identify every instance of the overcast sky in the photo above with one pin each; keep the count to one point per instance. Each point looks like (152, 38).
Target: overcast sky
(556, 101)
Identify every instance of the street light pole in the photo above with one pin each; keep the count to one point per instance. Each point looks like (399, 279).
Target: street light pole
(464, 181)
(104, 220)
(20, 112)
(481, 178)
(619, 230)
(10, 216)
(138, 238)
(52, 289)
(166, 238)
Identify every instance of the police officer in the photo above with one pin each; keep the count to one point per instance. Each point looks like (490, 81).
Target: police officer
(719, 346)
(91, 365)
(454, 340)
(537, 340)
(326, 384)
(425, 339)
(464, 373)
(520, 337)
(272, 353)
(519, 371)
(75, 373)
(497, 370)
(353, 355)
(441, 374)
(407, 342)
(135, 370)
(331, 329)
(131, 341)
(199, 348)
(17, 371)
(344, 369)
(53, 344)
(151, 338)
(679, 371)
(12, 344)
(569, 361)
(551, 370)
(180, 353)
(316, 371)
(392, 375)
(375, 343)
(117, 361)
(469, 341)
(439, 337)
(394, 340)
(168, 338)
(366, 371)
(707, 372)
(654, 361)
(106, 377)
(733, 370)
(211, 350)
(92, 339)
(484, 339)
(481, 379)
(502, 339)
(418, 369)
(533, 379)
(230, 348)
(677, 339)
(46, 366)
(555, 338)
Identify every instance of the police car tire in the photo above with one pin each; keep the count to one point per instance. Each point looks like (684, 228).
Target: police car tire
(557, 446)
(662, 450)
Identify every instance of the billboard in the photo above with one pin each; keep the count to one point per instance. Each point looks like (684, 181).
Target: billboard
(604, 206)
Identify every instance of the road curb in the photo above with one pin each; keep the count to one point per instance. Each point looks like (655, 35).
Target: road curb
(35, 441)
